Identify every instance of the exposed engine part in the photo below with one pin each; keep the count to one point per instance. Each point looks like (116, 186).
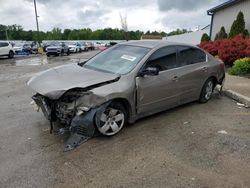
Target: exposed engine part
(77, 117)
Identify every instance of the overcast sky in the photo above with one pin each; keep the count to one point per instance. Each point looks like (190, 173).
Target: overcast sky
(160, 15)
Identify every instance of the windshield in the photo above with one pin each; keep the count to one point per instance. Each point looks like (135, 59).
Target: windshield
(120, 59)
(55, 43)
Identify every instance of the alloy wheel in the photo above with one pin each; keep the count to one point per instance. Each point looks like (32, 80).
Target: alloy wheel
(111, 121)
(209, 90)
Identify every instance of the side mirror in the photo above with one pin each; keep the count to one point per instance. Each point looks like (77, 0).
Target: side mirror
(150, 71)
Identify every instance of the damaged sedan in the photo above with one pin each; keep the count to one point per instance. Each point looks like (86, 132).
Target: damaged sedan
(126, 82)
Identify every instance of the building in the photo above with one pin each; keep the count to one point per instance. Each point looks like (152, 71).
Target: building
(225, 13)
(193, 38)
(151, 37)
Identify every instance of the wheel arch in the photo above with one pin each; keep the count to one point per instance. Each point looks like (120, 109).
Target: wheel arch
(125, 103)
(215, 80)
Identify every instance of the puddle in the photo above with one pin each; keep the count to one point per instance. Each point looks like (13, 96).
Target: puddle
(42, 60)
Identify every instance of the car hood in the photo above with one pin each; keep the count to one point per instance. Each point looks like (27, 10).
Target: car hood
(54, 82)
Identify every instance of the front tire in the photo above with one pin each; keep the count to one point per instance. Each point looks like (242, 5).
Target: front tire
(207, 91)
(112, 119)
(11, 55)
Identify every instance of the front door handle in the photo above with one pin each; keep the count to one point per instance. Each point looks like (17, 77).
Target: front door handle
(204, 69)
(175, 78)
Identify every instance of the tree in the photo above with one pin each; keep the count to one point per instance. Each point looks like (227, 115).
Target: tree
(205, 37)
(238, 26)
(178, 32)
(124, 25)
(221, 34)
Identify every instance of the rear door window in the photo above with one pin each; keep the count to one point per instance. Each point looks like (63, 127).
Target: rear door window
(5, 44)
(163, 59)
(190, 55)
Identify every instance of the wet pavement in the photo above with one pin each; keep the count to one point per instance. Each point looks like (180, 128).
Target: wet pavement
(195, 145)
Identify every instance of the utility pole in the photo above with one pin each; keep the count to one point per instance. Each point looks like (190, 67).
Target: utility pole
(37, 26)
(6, 33)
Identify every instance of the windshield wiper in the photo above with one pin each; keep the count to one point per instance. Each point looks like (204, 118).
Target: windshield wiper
(81, 63)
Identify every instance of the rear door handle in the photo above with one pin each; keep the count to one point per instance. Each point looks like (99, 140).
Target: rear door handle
(175, 78)
(204, 69)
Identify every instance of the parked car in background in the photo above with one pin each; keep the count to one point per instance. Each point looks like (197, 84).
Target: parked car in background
(99, 45)
(90, 45)
(74, 47)
(6, 49)
(23, 48)
(84, 46)
(57, 48)
(34, 47)
(45, 45)
(18, 47)
(126, 82)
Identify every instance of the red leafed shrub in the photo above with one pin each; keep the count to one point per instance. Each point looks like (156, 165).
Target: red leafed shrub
(232, 49)
(209, 47)
(228, 50)
(247, 50)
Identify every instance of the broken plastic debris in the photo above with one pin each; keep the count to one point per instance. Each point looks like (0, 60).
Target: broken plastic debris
(29, 138)
(67, 163)
(240, 104)
(222, 132)
(45, 130)
(186, 122)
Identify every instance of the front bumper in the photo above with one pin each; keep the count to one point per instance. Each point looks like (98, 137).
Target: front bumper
(80, 127)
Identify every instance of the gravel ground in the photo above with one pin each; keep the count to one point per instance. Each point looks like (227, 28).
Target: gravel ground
(195, 145)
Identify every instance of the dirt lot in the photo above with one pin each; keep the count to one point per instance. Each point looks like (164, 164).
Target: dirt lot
(176, 148)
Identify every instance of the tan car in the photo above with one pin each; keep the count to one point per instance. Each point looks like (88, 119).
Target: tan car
(126, 82)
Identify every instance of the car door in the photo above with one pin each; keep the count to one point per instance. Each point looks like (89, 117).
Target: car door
(158, 92)
(4, 48)
(192, 72)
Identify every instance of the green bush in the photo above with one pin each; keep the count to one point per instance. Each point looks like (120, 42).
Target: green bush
(205, 37)
(221, 34)
(238, 26)
(240, 67)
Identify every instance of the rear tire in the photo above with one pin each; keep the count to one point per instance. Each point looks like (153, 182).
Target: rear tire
(207, 91)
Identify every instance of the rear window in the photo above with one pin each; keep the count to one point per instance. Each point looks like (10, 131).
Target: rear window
(189, 55)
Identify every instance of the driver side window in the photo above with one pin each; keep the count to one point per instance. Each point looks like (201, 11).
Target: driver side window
(163, 59)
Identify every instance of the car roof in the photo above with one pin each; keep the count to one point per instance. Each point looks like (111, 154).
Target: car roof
(153, 43)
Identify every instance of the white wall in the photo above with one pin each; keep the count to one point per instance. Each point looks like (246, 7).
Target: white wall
(193, 38)
(226, 16)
